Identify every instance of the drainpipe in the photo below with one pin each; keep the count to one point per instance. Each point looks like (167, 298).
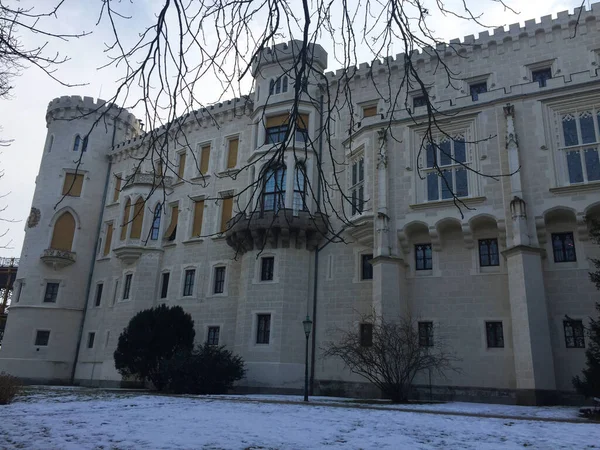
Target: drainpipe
(93, 263)
(316, 270)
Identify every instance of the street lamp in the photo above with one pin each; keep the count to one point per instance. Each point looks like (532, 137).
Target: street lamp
(307, 324)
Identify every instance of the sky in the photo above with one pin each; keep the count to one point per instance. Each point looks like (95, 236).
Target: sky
(22, 117)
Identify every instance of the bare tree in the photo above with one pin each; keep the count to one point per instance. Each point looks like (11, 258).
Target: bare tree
(390, 352)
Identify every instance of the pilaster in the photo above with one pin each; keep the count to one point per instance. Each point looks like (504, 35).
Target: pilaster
(389, 289)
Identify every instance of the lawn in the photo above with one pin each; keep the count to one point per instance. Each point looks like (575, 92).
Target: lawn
(50, 418)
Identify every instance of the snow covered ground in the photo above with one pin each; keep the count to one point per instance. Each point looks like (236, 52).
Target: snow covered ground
(48, 418)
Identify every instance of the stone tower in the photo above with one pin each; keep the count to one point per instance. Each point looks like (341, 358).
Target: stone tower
(61, 237)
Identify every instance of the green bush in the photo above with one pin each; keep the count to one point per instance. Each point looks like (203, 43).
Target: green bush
(205, 370)
(9, 388)
(152, 337)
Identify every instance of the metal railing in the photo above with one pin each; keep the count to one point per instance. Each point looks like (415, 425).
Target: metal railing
(9, 262)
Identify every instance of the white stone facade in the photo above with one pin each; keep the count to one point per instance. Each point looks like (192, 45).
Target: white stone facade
(540, 130)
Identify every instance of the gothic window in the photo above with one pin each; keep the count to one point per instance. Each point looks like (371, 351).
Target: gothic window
(581, 145)
(423, 259)
(127, 286)
(156, 222)
(85, 144)
(274, 189)
(445, 170)
(488, 253)
(563, 247)
(63, 233)
(76, 143)
(357, 185)
(278, 86)
(574, 334)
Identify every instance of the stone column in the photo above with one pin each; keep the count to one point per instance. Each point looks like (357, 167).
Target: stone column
(532, 348)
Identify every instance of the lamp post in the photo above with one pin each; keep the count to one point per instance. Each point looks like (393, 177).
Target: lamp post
(307, 324)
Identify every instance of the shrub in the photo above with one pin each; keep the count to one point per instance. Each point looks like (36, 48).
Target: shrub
(152, 337)
(206, 370)
(9, 388)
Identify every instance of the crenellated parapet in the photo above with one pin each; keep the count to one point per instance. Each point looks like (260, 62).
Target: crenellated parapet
(289, 51)
(519, 37)
(73, 107)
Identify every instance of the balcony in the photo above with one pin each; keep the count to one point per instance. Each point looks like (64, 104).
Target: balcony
(148, 179)
(282, 229)
(58, 259)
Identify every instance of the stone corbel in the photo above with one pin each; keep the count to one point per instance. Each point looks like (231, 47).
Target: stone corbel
(582, 229)
(436, 243)
(403, 241)
(501, 233)
(540, 228)
(467, 236)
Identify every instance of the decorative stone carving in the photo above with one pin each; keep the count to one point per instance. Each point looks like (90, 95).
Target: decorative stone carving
(34, 217)
(58, 259)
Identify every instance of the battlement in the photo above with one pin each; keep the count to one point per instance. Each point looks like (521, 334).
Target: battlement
(513, 33)
(62, 107)
(280, 53)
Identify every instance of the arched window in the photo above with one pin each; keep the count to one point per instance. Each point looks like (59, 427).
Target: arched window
(278, 86)
(156, 222)
(50, 143)
(284, 86)
(299, 203)
(138, 219)
(271, 87)
(85, 143)
(77, 143)
(274, 189)
(64, 231)
(125, 221)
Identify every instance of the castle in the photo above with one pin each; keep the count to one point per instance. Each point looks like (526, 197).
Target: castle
(498, 277)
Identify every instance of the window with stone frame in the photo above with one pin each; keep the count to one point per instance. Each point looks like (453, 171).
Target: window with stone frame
(188, 282)
(164, 284)
(357, 184)
(423, 257)
(366, 334)
(425, 334)
(267, 268)
(278, 86)
(219, 282)
(154, 230)
(263, 328)
(494, 334)
(366, 268)
(99, 289)
(42, 337)
(273, 197)
(563, 247)
(213, 335)
(91, 339)
(488, 253)
(574, 337)
(579, 145)
(419, 101)
(127, 286)
(445, 170)
(541, 75)
(477, 88)
(51, 293)
(299, 200)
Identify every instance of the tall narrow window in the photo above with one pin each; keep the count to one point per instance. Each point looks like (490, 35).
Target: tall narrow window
(42, 337)
(164, 285)
(299, 201)
(127, 286)
(138, 219)
(263, 328)
(366, 267)
(76, 143)
(117, 189)
(50, 143)
(563, 247)
(99, 288)
(477, 88)
(445, 170)
(574, 337)
(198, 216)
(63, 233)
(108, 239)
(85, 144)
(73, 185)
(226, 213)
(181, 166)
(51, 293)
(232, 153)
(494, 334)
(357, 185)
(423, 257)
(188, 282)
(204, 159)
(274, 189)
(91, 339)
(426, 334)
(125, 221)
(278, 86)
(366, 334)
(541, 76)
(488, 253)
(301, 133)
(219, 287)
(154, 232)
(213, 336)
(267, 266)
(581, 145)
(171, 232)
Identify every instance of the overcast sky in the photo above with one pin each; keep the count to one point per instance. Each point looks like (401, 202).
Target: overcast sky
(23, 117)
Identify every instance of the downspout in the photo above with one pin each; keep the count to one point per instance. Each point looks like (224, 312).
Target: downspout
(93, 263)
(316, 269)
